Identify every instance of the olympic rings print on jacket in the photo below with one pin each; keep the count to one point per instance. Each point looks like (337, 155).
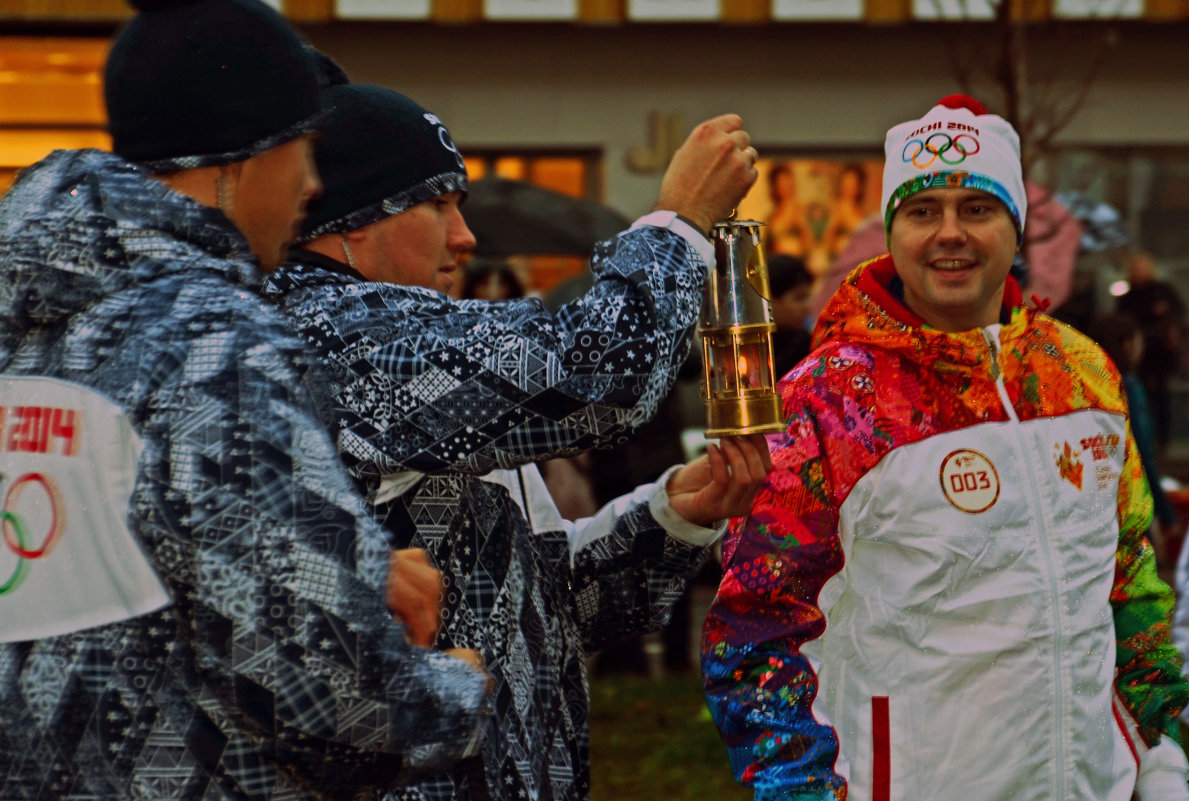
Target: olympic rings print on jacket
(16, 534)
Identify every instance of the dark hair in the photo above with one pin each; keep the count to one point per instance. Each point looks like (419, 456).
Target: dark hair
(775, 172)
(787, 272)
(480, 271)
(859, 172)
(1112, 332)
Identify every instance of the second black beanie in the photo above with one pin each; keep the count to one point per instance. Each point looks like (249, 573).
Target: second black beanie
(378, 154)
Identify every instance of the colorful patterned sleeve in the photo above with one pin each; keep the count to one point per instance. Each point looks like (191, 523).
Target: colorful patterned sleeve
(1149, 679)
(759, 685)
(427, 383)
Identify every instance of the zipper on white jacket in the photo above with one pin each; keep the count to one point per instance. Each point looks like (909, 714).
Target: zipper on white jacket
(991, 335)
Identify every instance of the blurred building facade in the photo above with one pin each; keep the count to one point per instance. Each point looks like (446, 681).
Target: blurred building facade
(596, 93)
(590, 97)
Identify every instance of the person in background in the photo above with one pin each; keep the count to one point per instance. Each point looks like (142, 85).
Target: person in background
(792, 291)
(868, 240)
(788, 229)
(444, 406)
(846, 213)
(491, 279)
(200, 607)
(943, 590)
(1121, 336)
(1158, 307)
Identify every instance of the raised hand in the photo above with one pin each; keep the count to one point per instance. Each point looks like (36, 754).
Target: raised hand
(710, 173)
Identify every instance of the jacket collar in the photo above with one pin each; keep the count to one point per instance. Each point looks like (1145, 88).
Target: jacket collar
(866, 311)
(309, 258)
(880, 282)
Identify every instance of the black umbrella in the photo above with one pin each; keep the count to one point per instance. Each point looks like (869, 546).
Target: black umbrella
(515, 217)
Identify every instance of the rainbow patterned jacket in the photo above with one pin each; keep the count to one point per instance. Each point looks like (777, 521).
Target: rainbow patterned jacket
(943, 590)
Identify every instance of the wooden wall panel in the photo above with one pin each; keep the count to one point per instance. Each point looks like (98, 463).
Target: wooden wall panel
(746, 11)
(67, 10)
(51, 80)
(457, 11)
(49, 102)
(309, 10)
(1166, 9)
(1032, 10)
(602, 11)
(889, 11)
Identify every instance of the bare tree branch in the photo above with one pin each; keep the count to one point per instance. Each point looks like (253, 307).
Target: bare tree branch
(1030, 91)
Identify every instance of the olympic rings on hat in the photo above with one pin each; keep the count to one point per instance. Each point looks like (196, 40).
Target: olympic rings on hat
(16, 535)
(944, 143)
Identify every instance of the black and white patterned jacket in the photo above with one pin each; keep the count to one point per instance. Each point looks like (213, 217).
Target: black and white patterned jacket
(253, 656)
(442, 408)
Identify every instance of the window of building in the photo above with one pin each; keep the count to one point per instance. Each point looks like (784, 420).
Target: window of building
(51, 97)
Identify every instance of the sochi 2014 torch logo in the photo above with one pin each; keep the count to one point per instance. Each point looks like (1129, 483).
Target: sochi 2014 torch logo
(969, 481)
(32, 520)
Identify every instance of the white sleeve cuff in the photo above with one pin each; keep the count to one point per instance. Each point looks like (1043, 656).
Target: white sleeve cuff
(674, 524)
(669, 219)
(394, 485)
(1162, 773)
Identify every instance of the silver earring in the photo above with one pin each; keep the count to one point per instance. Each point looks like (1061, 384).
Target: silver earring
(350, 256)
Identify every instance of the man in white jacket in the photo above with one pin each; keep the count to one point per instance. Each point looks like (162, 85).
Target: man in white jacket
(943, 590)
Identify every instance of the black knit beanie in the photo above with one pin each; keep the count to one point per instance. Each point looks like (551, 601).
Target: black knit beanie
(189, 83)
(378, 154)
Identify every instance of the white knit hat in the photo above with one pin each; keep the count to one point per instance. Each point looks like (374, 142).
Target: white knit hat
(956, 144)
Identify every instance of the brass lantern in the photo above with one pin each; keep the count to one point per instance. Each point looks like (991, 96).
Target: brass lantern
(736, 327)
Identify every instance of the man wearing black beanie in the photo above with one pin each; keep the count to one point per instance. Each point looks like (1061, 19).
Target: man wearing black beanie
(194, 603)
(443, 407)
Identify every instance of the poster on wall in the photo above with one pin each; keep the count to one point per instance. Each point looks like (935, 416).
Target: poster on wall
(1081, 9)
(382, 9)
(952, 9)
(811, 207)
(673, 10)
(817, 9)
(530, 9)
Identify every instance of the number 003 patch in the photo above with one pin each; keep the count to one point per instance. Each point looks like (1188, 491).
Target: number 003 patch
(969, 481)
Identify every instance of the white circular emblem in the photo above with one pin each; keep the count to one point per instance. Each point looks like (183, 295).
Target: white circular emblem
(969, 481)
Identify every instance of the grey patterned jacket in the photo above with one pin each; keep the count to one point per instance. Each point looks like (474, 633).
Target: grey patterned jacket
(253, 656)
(442, 407)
